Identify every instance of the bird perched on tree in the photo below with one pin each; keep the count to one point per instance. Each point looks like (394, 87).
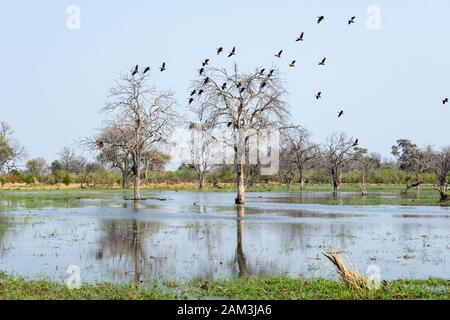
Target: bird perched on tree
(340, 113)
(219, 50)
(206, 80)
(232, 52)
(146, 70)
(242, 90)
(191, 100)
(320, 19)
(262, 71)
(319, 95)
(292, 64)
(205, 63)
(224, 86)
(163, 67)
(135, 70)
(322, 63)
(271, 73)
(201, 71)
(200, 92)
(355, 143)
(263, 84)
(238, 85)
(193, 92)
(445, 101)
(352, 20)
(300, 38)
(279, 54)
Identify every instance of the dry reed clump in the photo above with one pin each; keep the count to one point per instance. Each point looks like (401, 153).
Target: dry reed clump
(351, 277)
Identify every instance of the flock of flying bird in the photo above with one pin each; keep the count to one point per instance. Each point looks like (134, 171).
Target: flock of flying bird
(263, 84)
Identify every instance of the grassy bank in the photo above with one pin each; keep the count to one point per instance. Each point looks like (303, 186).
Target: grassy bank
(276, 288)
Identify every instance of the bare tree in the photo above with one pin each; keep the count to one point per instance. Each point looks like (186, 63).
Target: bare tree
(303, 150)
(142, 113)
(202, 143)
(70, 162)
(287, 164)
(440, 164)
(10, 150)
(242, 104)
(113, 153)
(338, 154)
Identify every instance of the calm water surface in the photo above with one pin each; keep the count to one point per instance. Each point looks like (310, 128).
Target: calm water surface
(167, 236)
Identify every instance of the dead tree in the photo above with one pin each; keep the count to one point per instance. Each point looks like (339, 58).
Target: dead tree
(241, 104)
(303, 150)
(143, 114)
(338, 154)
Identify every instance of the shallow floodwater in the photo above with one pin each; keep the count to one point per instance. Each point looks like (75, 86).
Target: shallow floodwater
(167, 236)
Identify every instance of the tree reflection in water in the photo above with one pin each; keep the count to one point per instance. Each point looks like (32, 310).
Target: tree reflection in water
(123, 240)
(240, 256)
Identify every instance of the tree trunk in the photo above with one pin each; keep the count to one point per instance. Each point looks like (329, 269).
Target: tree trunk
(362, 187)
(137, 180)
(289, 183)
(443, 192)
(124, 179)
(240, 184)
(201, 181)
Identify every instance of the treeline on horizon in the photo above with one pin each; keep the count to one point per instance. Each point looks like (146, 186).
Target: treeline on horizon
(108, 171)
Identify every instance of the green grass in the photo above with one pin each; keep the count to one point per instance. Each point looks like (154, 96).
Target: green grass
(274, 288)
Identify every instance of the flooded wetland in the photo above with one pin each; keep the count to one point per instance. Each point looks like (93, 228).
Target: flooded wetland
(182, 236)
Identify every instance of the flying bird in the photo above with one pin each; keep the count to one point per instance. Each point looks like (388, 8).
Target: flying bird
(193, 92)
(292, 64)
(232, 52)
(201, 71)
(205, 63)
(340, 113)
(352, 20)
(146, 70)
(319, 95)
(279, 54)
(135, 70)
(445, 101)
(191, 100)
(322, 63)
(224, 86)
(355, 143)
(219, 50)
(163, 67)
(300, 38)
(319, 19)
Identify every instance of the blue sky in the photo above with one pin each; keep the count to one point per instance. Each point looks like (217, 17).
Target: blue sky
(389, 82)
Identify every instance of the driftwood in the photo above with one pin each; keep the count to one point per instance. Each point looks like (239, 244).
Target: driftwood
(351, 277)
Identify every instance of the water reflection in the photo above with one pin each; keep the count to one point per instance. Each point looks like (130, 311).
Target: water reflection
(240, 256)
(122, 241)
